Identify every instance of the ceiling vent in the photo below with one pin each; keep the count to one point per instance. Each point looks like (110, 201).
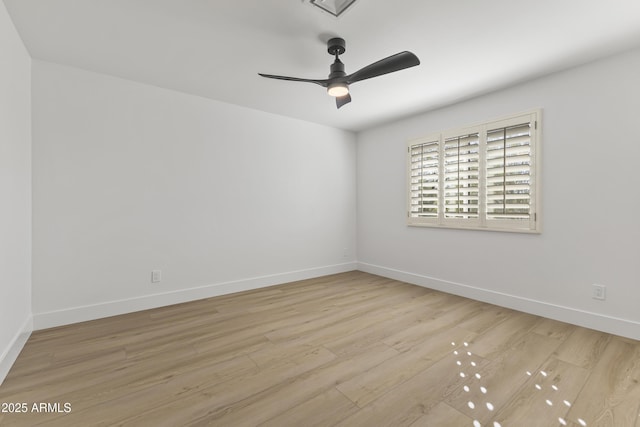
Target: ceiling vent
(334, 7)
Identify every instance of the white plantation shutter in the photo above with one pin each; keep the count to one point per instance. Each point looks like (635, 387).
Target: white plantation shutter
(461, 180)
(483, 177)
(508, 174)
(424, 184)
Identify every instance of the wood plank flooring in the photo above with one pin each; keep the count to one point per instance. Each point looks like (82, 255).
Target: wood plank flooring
(345, 350)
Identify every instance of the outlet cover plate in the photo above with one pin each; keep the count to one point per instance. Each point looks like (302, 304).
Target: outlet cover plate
(599, 292)
(156, 276)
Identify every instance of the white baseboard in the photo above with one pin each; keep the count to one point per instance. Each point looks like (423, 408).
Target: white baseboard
(623, 327)
(113, 308)
(10, 354)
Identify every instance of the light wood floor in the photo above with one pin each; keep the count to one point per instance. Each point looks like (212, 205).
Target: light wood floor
(346, 350)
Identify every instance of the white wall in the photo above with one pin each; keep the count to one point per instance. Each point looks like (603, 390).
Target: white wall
(15, 193)
(590, 209)
(129, 178)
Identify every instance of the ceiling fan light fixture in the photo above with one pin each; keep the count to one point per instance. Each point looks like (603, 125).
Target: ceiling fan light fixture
(338, 89)
(334, 7)
(337, 84)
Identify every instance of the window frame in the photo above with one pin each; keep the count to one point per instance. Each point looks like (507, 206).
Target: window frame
(442, 219)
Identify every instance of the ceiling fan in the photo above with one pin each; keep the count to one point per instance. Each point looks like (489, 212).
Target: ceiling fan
(338, 82)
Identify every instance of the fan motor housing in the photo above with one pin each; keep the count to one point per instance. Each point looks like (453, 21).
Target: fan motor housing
(337, 69)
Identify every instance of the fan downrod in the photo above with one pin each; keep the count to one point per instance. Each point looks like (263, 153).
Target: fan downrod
(336, 46)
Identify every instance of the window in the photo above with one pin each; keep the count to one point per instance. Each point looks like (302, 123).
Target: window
(480, 177)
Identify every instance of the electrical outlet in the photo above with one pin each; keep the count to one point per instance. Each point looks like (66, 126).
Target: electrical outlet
(156, 276)
(599, 292)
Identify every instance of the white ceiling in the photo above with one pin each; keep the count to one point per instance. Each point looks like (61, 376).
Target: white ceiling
(215, 48)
